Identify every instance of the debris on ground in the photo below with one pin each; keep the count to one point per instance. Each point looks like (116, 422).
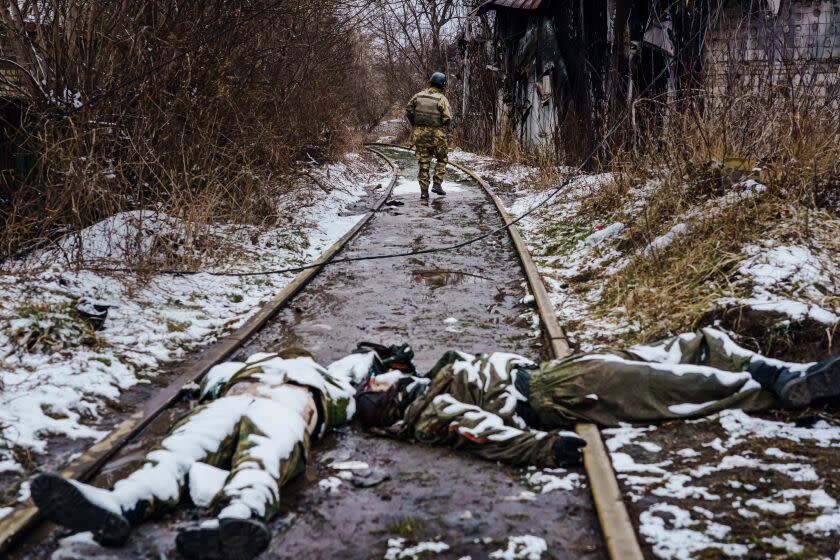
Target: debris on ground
(74, 341)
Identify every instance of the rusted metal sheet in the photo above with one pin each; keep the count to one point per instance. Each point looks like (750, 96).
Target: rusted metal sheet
(512, 4)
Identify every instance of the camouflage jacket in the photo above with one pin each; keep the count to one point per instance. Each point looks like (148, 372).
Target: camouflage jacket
(335, 394)
(471, 403)
(429, 109)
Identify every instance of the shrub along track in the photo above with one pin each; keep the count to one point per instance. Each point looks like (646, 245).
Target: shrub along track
(435, 494)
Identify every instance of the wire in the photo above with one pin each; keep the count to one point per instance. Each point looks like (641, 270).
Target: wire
(443, 248)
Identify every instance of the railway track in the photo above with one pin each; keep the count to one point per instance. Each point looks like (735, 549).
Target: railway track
(619, 537)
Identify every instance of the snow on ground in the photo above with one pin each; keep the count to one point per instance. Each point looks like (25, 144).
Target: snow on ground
(399, 550)
(798, 280)
(729, 485)
(790, 279)
(689, 498)
(59, 375)
(526, 547)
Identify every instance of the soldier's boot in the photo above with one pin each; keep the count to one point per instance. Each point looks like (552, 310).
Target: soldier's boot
(80, 507)
(227, 539)
(798, 389)
(438, 190)
(424, 194)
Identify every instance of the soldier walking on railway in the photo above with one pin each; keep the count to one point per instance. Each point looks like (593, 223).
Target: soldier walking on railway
(258, 419)
(496, 406)
(430, 116)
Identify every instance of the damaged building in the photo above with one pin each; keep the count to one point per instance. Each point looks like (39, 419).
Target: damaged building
(560, 68)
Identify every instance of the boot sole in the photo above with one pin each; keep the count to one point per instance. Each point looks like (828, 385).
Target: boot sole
(821, 384)
(64, 504)
(200, 544)
(243, 539)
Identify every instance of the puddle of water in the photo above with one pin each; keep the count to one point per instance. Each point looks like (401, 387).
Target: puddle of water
(438, 278)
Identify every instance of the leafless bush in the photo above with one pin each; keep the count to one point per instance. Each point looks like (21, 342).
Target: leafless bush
(192, 108)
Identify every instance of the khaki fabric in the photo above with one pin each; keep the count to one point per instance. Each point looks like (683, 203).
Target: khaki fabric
(472, 406)
(692, 375)
(429, 108)
(430, 114)
(426, 152)
(242, 434)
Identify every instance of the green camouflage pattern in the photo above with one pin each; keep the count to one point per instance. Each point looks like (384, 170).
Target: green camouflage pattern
(704, 373)
(334, 403)
(246, 462)
(474, 408)
(430, 142)
(234, 451)
(234, 441)
(431, 145)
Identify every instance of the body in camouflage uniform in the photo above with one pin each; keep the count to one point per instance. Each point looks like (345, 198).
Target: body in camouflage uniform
(472, 403)
(250, 435)
(262, 438)
(495, 406)
(430, 114)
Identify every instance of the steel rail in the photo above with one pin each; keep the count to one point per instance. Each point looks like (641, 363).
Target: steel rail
(21, 521)
(619, 535)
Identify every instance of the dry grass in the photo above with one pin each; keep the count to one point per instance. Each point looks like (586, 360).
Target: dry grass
(206, 132)
(689, 169)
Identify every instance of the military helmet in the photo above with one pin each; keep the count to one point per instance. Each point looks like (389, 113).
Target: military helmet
(438, 79)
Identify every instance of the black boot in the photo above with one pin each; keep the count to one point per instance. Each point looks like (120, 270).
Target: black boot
(820, 381)
(229, 539)
(437, 189)
(424, 195)
(200, 543)
(64, 504)
(567, 450)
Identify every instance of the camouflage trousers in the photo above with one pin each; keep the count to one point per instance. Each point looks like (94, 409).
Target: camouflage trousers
(239, 449)
(430, 143)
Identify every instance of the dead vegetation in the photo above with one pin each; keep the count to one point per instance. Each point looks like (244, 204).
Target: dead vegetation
(198, 110)
(700, 176)
(756, 168)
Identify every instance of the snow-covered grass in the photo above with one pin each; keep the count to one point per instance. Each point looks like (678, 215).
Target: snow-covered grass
(624, 265)
(629, 261)
(59, 375)
(731, 490)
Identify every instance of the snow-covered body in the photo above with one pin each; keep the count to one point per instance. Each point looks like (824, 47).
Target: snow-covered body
(258, 418)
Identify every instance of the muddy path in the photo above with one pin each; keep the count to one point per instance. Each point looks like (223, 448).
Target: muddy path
(469, 300)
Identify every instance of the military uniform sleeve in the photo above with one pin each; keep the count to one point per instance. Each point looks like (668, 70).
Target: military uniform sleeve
(409, 110)
(448, 421)
(445, 111)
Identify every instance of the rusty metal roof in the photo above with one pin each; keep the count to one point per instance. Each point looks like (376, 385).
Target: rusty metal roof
(512, 4)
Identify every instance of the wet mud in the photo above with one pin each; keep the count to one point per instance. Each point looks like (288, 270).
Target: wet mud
(468, 300)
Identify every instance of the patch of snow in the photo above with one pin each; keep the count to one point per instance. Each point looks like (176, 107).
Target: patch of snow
(787, 542)
(65, 392)
(527, 547)
(670, 532)
(603, 234)
(350, 466)
(778, 508)
(788, 279)
(330, 485)
(397, 549)
(524, 496)
(546, 482)
(666, 239)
